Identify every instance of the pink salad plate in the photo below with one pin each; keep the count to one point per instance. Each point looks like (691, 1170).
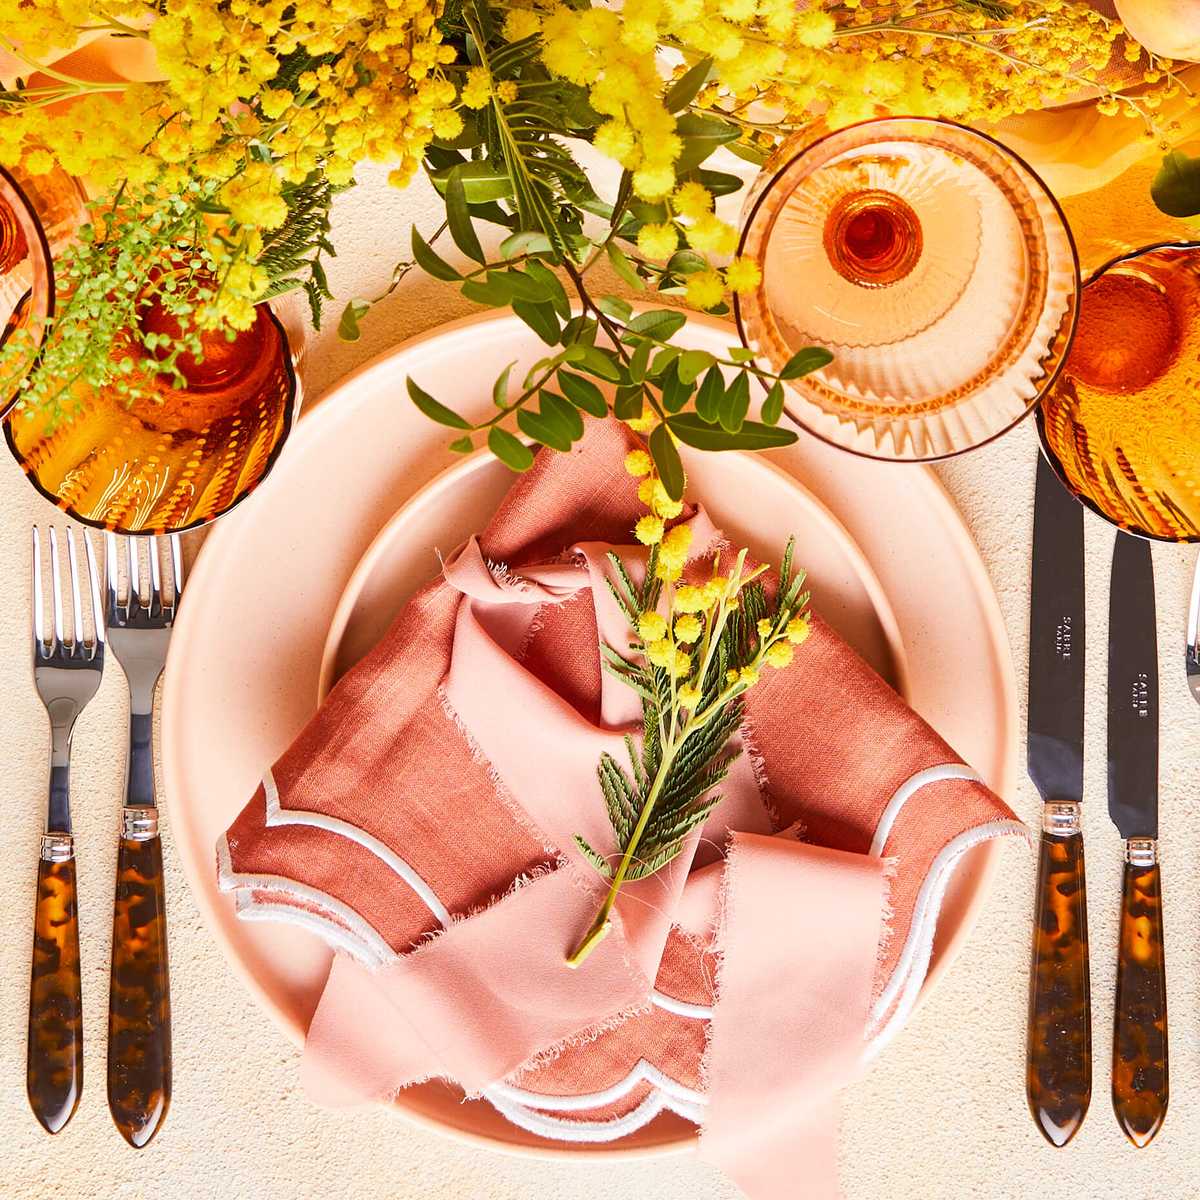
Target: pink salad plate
(294, 587)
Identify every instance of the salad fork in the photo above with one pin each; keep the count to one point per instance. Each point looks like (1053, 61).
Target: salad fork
(139, 997)
(67, 669)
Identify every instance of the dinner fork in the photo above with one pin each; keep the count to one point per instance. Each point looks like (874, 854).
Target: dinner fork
(1192, 652)
(139, 996)
(67, 669)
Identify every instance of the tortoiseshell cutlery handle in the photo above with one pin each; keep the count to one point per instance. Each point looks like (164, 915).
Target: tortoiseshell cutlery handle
(54, 1054)
(139, 997)
(1058, 1064)
(1140, 1079)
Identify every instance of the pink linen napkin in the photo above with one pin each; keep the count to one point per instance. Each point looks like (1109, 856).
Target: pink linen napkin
(423, 822)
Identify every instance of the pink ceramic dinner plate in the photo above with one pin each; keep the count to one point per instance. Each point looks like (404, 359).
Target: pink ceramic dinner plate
(295, 585)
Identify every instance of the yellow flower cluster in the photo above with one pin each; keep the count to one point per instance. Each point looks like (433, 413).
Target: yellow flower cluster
(698, 611)
(218, 111)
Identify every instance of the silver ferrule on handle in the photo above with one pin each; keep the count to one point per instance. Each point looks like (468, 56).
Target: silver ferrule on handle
(1061, 818)
(139, 824)
(1141, 852)
(57, 847)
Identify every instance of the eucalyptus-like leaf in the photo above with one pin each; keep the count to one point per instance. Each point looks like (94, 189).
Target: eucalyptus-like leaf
(685, 89)
(615, 307)
(804, 362)
(735, 403)
(543, 429)
(601, 363)
(540, 318)
(354, 311)
(708, 398)
(686, 262)
(628, 403)
(462, 445)
(429, 261)
(664, 357)
(521, 285)
(693, 430)
(458, 217)
(500, 387)
(772, 408)
(659, 323)
(551, 286)
(486, 291)
(675, 393)
(693, 364)
(667, 462)
(701, 135)
(640, 360)
(567, 415)
(721, 183)
(748, 152)
(482, 181)
(510, 450)
(583, 393)
(623, 267)
(525, 241)
(433, 409)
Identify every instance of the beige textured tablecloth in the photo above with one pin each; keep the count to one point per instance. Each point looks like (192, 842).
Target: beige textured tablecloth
(941, 1117)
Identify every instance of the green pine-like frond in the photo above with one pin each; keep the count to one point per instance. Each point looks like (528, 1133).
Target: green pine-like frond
(594, 857)
(291, 255)
(523, 136)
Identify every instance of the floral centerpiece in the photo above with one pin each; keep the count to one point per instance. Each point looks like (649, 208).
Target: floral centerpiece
(223, 154)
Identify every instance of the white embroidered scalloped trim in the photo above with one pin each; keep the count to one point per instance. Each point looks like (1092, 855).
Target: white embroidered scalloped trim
(344, 929)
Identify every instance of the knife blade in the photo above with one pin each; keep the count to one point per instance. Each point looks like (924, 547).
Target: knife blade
(1058, 1064)
(1056, 641)
(1140, 1076)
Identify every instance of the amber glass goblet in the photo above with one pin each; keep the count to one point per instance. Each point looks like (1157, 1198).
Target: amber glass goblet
(932, 263)
(26, 287)
(1121, 426)
(175, 457)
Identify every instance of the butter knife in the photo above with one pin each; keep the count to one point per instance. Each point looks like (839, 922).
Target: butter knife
(1058, 1063)
(1140, 1080)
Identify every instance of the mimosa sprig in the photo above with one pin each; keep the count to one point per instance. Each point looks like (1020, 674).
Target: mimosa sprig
(691, 669)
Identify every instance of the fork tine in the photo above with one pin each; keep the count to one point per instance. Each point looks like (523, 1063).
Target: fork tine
(39, 598)
(135, 580)
(177, 564)
(94, 589)
(110, 569)
(156, 596)
(1193, 625)
(56, 581)
(76, 604)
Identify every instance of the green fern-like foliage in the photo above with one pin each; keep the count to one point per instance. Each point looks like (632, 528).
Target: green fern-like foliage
(292, 254)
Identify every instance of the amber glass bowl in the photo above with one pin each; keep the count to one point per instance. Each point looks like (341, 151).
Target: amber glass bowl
(931, 262)
(175, 458)
(1121, 426)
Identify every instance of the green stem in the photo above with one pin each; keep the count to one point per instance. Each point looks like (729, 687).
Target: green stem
(600, 927)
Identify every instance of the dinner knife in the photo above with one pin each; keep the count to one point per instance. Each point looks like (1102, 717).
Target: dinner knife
(1058, 1064)
(1139, 1076)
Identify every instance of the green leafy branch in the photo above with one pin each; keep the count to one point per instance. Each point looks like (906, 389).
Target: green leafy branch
(641, 369)
(510, 167)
